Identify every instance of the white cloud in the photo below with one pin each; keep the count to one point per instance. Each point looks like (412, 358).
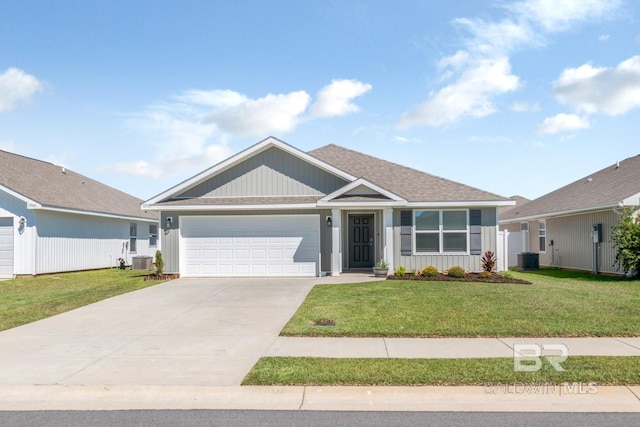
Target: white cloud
(192, 131)
(612, 91)
(336, 98)
(485, 61)
(16, 87)
(470, 96)
(604, 37)
(262, 116)
(562, 123)
(522, 107)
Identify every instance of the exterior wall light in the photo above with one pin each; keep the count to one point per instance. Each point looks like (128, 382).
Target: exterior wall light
(329, 221)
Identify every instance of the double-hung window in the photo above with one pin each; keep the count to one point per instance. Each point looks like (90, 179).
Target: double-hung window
(133, 237)
(153, 235)
(438, 231)
(542, 235)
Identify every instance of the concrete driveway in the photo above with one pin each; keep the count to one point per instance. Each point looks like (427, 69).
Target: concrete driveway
(183, 332)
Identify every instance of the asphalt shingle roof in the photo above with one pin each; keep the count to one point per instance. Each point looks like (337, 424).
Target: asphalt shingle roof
(606, 187)
(411, 184)
(52, 186)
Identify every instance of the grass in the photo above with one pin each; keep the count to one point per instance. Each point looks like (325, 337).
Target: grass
(558, 303)
(415, 372)
(27, 299)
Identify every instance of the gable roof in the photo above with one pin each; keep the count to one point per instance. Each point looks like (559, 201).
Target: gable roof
(613, 186)
(411, 184)
(43, 185)
(169, 196)
(369, 181)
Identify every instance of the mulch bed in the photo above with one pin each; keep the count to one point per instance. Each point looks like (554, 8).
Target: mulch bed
(161, 277)
(469, 277)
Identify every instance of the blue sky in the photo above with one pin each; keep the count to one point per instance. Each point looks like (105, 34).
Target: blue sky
(516, 97)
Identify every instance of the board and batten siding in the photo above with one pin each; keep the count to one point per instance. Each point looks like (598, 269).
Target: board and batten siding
(445, 261)
(272, 172)
(72, 242)
(170, 237)
(573, 243)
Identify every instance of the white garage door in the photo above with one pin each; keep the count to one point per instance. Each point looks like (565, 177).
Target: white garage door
(284, 245)
(6, 248)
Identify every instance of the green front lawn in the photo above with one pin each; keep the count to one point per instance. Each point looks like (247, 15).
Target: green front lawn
(557, 303)
(27, 299)
(414, 372)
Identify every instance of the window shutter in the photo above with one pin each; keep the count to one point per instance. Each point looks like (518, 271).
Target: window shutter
(475, 231)
(406, 225)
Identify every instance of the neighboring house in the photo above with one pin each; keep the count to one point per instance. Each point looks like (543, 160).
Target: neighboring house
(53, 220)
(560, 225)
(273, 210)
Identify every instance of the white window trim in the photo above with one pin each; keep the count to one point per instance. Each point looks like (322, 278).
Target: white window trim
(151, 235)
(133, 236)
(440, 232)
(544, 248)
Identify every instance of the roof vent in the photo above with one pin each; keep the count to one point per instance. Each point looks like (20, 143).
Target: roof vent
(617, 164)
(589, 179)
(64, 170)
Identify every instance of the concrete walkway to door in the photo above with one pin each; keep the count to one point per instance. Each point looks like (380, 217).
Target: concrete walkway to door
(183, 332)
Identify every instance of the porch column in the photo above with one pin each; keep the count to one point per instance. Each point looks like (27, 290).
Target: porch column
(387, 251)
(336, 244)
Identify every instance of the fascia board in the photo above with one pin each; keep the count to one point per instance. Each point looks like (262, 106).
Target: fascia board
(560, 213)
(99, 214)
(366, 183)
(463, 204)
(372, 205)
(239, 157)
(230, 207)
(31, 204)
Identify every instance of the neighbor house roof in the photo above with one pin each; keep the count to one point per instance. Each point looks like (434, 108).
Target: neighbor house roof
(613, 186)
(411, 184)
(43, 185)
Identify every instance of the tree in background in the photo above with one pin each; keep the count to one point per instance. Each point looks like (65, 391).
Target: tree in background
(625, 236)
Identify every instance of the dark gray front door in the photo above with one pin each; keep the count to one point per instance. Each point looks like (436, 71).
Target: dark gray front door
(361, 241)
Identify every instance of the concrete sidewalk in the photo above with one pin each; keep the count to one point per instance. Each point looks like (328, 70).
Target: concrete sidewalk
(493, 398)
(445, 348)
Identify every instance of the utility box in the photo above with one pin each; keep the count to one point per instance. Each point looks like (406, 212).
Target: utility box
(529, 261)
(142, 262)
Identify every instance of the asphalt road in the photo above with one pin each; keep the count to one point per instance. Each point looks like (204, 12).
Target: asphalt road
(309, 418)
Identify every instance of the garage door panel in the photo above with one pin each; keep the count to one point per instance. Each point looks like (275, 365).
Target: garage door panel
(251, 245)
(6, 247)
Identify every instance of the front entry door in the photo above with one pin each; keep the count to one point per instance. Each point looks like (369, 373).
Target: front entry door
(361, 241)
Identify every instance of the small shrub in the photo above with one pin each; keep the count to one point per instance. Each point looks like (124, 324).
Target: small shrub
(489, 261)
(429, 271)
(414, 272)
(159, 264)
(400, 271)
(485, 274)
(456, 271)
(506, 274)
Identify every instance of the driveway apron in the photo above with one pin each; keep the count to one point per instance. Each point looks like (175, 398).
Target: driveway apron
(182, 332)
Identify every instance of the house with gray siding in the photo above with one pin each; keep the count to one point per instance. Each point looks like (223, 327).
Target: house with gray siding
(53, 219)
(273, 210)
(571, 226)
